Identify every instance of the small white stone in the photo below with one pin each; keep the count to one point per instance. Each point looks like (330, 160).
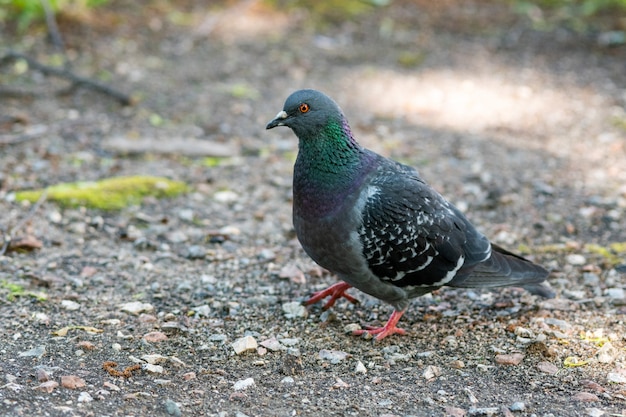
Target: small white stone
(607, 353)
(154, 369)
(70, 305)
(616, 294)
(617, 378)
(431, 372)
(294, 309)
(163, 382)
(116, 346)
(517, 406)
(154, 359)
(287, 380)
(243, 384)
(203, 310)
(85, 397)
(332, 356)
(136, 307)
(575, 259)
(272, 344)
(290, 341)
(226, 196)
(360, 368)
(244, 344)
(349, 328)
(594, 412)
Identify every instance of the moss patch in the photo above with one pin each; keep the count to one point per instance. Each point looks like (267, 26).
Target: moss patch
(108, 194)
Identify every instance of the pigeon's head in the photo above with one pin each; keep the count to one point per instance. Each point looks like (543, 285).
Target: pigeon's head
(307, 112)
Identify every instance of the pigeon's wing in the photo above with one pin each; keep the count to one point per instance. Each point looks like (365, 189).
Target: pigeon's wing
(411, 235)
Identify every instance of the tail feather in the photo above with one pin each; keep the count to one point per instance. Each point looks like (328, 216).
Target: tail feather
(504, 269)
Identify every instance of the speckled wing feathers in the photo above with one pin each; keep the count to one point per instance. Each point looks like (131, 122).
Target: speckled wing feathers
(411, 235)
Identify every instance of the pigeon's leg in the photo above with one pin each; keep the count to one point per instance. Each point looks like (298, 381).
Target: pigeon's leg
(388, 329)
(335, 291)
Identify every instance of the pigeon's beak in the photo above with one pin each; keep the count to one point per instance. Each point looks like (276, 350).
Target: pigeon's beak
(279, 120)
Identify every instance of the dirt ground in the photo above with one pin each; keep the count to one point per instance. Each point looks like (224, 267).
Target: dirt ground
(140, 311)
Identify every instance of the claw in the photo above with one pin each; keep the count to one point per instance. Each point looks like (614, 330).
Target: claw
(388, 329)
(336, 291)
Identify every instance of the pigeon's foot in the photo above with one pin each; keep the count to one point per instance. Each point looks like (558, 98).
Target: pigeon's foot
(335, 291)
(388, 329)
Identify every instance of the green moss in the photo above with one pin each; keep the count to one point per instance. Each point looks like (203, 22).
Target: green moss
(108, 194)
(214, 161)
(16, 290)
(409, 59)
(612, 254)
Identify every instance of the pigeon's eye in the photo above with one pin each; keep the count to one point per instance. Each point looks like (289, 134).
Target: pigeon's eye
(304, 108)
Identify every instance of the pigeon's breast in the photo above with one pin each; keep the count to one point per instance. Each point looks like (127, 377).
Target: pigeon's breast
(330, 236)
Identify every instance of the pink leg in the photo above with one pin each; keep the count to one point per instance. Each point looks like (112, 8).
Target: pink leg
(388, 329)
(335, 291)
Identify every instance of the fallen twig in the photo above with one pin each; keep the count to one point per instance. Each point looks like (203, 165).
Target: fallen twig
(77, 80)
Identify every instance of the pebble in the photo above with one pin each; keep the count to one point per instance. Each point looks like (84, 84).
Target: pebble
(186, 214)
(189, 376)
(225, 196)
(616, 377)
(36, 352)
(195, 252)
(332, 356)
(116, 346)
(55, 217)
(84, 397)
(575, 259)
(483, 411)
(518, 406)
(163, 382)
(290, 341)
(360, 368)
(349, 328)
(154, 337)
(616, 294)
(591, 279)
(111, 386)
(243, 384)
(177, 236)
(585, 397)
(244, 344)
(70, 305)
(294, 310)
(287, 380)
(547, 368)
(203, 310)
(72, 382)
(154, 358)
(47, 386)
(136, 307)
(153, 369)
(455, 412)
(172, 408)
(457, 364)
(561, 324)
(510, 359)
(272, 344)
(431, 372)
(594, 412)
(607, 353)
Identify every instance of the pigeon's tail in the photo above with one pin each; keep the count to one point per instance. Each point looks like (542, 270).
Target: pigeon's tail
(506, 269)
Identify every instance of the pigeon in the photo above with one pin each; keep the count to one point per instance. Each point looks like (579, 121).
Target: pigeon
(378, 225)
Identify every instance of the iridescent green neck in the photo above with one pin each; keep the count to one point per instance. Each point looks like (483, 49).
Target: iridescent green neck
(331, 156)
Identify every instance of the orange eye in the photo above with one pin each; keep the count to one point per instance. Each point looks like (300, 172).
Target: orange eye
(304, 108)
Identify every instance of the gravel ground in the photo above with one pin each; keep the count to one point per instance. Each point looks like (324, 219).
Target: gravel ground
(191, 306)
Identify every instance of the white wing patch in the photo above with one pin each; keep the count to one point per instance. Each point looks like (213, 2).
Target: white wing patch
(450, 275)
